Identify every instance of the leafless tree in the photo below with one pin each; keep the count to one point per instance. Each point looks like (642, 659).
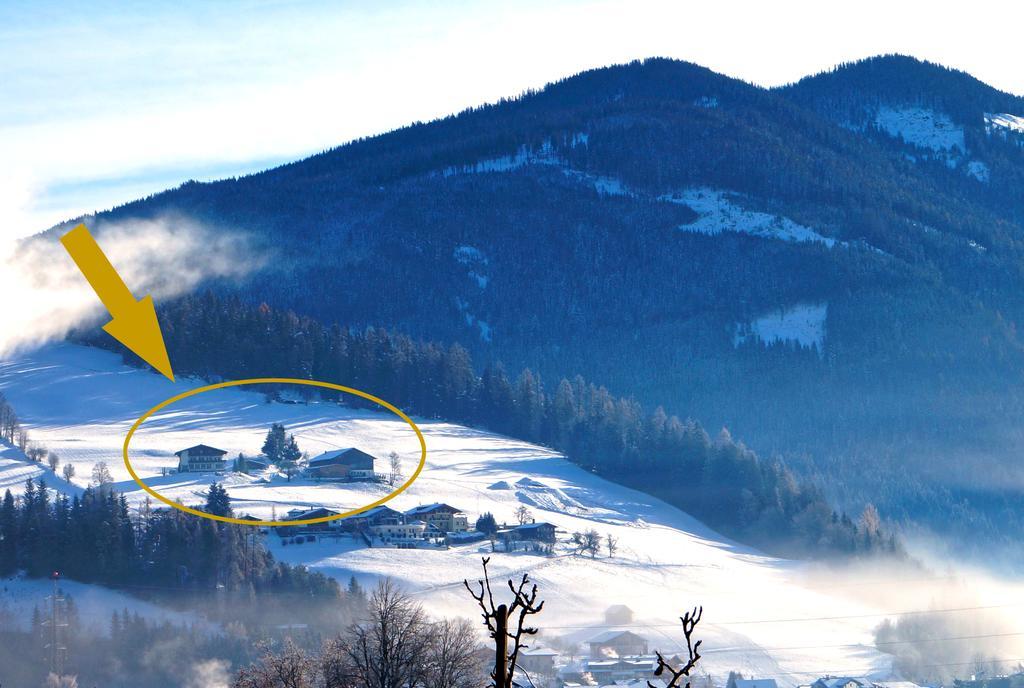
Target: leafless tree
(395, 462)
(334, 666)
(69, 471)
(451, 662)
(101, 474)
(587, 543)
(35, 452)
(8, 421)
(55, 681)
(678, 676)
(612, 543)
(53, 460)
(21, 439)
(389, 649)
(523, 515)
(292, 668)
(870, 521)
(496, 619)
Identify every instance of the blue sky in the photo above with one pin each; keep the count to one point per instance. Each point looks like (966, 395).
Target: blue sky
(104, 102)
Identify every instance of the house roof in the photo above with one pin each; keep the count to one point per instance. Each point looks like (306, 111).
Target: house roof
(347, 455)
(838, 681)
(756, 683)
(318, 512)
(430, 508)
(201, 449)
(609, 636)
(379, 510)
(534, 526)
(539, 652)
(619, 662)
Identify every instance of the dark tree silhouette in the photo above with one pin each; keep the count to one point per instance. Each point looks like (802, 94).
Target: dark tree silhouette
(676, 676)
(218, 502)
(496, 618)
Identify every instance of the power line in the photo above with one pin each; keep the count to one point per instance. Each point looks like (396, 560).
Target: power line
(856, 671)
(877, 645)
(738, 622)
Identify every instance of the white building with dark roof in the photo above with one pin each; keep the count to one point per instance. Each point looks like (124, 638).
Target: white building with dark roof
(348, 464)
(201, 458)
(444, 517)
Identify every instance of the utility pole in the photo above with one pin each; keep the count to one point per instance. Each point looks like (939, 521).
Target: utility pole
(55, 648)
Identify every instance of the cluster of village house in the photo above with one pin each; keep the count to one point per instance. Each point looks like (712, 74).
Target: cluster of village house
(619, 658)
(425, 526)
(622, 658)
(349, 464)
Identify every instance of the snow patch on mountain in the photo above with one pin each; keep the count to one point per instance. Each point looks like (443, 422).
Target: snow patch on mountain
(469, 255)
(802, 324)
(718, 213)
(475, 259)
(579, 139)
(922, 128)
(485, 330)
(472, 320)
(1004, 121)
(604, 186)
(978, 170)
(525, 155)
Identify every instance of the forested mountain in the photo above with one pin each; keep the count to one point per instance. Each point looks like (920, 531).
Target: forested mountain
(720, 481)
(931, 115)
(832, 269)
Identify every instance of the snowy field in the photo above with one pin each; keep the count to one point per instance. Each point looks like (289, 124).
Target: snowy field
(763, 616)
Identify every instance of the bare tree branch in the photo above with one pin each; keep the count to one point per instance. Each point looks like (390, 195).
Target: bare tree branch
(524, 604)
(690, 621)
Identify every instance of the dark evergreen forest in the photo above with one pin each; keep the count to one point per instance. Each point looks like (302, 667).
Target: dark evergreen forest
(718, 480)
(164, 554)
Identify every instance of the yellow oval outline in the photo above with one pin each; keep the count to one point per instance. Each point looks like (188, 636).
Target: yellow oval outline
(274, 380)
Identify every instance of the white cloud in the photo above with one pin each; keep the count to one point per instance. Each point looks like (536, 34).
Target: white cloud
(45, 295)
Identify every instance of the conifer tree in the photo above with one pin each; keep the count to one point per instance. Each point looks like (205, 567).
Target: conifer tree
(274, 445)
(217, 501)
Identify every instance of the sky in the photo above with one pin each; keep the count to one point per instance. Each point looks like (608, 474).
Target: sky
(105, 102)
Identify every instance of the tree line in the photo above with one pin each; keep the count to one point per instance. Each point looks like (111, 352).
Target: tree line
(97, 538)
(718, 480)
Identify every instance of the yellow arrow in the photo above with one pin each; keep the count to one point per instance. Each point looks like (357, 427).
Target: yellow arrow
(133, 323)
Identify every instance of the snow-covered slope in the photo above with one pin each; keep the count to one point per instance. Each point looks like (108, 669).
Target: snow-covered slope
(921, 127)
(1005, 121)
(762, 614)
(718, 213)
(94, 604)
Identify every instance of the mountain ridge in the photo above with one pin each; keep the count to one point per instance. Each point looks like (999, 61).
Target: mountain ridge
(657, 227)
